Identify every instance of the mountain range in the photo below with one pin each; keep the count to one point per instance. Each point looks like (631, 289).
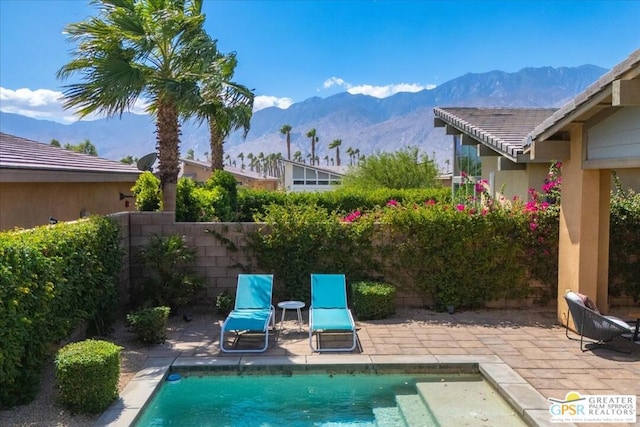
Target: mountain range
(362, 122)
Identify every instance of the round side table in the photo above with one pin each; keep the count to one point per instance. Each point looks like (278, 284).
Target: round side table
(291, 305)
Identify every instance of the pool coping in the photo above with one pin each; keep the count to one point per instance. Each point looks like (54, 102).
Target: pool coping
(526, 400)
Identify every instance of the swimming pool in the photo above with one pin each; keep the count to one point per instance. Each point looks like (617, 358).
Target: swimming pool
(527, 402)
(298, 399)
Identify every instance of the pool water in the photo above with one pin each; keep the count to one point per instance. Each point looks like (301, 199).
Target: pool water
(316, 400)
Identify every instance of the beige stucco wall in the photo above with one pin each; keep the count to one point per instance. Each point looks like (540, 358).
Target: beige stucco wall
(514, 183)
(584, 229)
(31, 204)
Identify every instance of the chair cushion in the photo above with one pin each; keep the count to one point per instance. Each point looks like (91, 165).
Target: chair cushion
(583, 300)
(620, 322)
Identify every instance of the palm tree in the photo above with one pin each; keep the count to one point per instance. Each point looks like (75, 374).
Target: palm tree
(356, 155)
(241, 157)
(336, 144)
(286, 130)
(146, 49)
(312, 134)
(297, 156)
(326, 159)
(350, 153)
(250, 157)
(226, 105)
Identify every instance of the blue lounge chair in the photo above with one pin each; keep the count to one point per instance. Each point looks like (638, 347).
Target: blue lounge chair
(328, 311)
(252, 312)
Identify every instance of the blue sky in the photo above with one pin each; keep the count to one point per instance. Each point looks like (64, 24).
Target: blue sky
(289, 51)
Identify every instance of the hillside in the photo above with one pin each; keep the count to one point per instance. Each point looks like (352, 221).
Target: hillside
(363, 122)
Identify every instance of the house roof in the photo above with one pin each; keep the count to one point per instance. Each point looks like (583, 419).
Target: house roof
(21, 153)
(337, 170)
(236, 171)
(505, 130)
(597, 96)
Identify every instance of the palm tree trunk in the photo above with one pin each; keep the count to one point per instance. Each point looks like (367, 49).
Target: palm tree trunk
(168, 141)
(217, 151)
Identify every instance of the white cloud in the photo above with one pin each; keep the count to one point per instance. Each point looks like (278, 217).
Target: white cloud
(335, 81)
(376, 91)
(45, 104)
(264, 101)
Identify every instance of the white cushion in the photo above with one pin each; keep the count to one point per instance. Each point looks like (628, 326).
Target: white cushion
(620, 322)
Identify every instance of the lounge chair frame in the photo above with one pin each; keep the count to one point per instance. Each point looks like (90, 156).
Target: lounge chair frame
(252, 312)
(323, 306)
(595, 327)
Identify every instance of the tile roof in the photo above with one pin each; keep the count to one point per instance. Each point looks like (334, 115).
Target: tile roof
(505, 130)
(25, 154)
(629, 69)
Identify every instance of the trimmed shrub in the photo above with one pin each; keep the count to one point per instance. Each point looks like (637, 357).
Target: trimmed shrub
(150, 324)
(87, 375)
(52, 279)
(373, 300)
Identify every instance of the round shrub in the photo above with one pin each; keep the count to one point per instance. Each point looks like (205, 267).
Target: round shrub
(87, 374)
(373, 300)
(150, 324)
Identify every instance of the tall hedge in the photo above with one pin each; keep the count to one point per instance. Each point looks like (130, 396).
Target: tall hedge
(51, 279)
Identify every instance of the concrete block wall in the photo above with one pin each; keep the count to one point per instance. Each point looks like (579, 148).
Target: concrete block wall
(222, 255)
(219, 260)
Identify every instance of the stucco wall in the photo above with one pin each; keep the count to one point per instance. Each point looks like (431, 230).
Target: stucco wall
(30, 204)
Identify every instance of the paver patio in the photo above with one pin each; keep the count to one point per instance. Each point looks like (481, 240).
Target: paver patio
(529, 341)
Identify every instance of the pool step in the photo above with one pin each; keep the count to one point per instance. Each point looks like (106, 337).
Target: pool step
(468, 404)
(388, 417)
(414, 411)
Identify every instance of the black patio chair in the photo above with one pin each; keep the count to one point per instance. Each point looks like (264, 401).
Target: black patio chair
(594, 326)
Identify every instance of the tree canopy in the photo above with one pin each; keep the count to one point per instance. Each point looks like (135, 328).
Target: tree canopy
(405, 168)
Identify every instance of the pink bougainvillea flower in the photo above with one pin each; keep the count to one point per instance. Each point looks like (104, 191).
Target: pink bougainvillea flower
(352, 216)
(392, 203)
(430, 202)
(531, 207)
(533, 226)
(544, 205)
(481, 186)
(484, 211)
(460, 207)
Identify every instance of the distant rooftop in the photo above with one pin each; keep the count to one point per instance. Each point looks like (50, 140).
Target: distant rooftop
(24, 154)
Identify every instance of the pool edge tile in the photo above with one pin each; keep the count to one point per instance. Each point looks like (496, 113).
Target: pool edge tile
(125, 410)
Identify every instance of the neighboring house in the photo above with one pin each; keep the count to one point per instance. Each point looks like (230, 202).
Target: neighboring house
(593, 134)
(201, 171)
(39, 182)
(496, 137)
(303, 177)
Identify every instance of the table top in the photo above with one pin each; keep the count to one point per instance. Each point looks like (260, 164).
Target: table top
(291, 304)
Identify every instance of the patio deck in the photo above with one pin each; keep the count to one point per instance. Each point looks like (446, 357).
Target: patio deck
(528, 341)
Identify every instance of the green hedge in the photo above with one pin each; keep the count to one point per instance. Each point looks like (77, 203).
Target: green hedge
(87, 375)
(252, 202)
(298, 239)
(52, 278)
(150, 324)
(373, 300)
